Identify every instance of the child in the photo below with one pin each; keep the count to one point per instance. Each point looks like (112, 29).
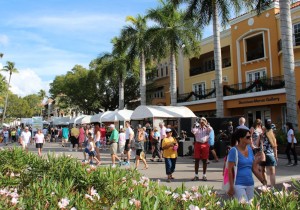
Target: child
(90, 149)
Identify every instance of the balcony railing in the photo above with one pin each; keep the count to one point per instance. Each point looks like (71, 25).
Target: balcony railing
(262, 84)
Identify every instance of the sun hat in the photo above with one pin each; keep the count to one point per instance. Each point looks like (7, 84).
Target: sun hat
(168, 130)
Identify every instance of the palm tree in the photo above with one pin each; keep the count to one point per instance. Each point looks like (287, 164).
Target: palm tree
(203, 12)
(115, 63)
(135, 41)
(170, 32)
(42, 95)
(1, 55)
(10, 67)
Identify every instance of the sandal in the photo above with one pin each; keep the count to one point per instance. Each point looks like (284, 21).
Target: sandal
(172, 177)
(196, 178)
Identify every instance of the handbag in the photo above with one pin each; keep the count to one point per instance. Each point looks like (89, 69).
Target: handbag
(225, 184)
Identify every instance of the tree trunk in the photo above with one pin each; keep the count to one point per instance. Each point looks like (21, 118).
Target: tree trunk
(288, 61)
(6, 99)
(173, 85)
(142, 78)
(218, 65)
(121, 92)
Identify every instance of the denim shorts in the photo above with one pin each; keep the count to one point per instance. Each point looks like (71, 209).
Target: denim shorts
(270, 160)
(98, 144)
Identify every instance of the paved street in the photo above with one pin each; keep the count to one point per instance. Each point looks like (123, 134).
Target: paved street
(184, 168)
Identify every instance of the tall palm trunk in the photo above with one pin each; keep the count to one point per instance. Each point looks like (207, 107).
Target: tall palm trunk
(173, 85)
(218, 64)
(6, 99)
(121, 92)
(288, 61)
(142, 78)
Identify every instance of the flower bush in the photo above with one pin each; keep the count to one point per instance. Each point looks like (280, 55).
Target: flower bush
(30, 182)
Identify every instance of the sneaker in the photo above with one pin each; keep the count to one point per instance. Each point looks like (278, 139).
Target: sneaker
(120, 163)
(113, 165)
(204, 178)
(126, 164)
(291, 164)
(196, 178)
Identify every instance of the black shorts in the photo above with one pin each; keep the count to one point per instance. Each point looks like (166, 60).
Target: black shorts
(74, 140)
(138, 152)
(39, 145)
(127, 145)
(211, 147)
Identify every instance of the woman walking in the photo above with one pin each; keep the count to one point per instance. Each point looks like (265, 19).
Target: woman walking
(155, 144)
(270, 150)
(241, 156)
(170, 146)
(139, 148)
(81, 137)
(256, 131)
(39, 139)
(122, 142)
(291, 146)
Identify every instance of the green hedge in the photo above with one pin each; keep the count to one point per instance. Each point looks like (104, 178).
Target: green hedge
(30, 182)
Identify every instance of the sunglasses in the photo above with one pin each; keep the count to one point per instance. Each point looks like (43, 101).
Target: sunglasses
(248, 137)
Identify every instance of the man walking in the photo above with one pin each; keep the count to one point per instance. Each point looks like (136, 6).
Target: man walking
(113, 141)
(201, 147)
(26, 138)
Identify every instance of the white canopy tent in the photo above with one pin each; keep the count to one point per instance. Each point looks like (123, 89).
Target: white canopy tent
(98, 117)
(117, 115)
(61, 120)
(143, 112)
(85, 120)
(75, 120)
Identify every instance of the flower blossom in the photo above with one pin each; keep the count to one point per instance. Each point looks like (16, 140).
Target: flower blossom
(135, 202)
(64, 202)
(73, 208)
(167, 192)
(192, 207)
(194, 188)
(14, 201)
(264, 188)
(175, 195)
(286, 185)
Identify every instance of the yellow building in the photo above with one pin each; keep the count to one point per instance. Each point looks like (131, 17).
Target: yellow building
(252, 70)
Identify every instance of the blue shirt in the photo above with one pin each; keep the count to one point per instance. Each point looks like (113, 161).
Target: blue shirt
(157, 134)
(244, 167)
(211, 137)
(65, 133)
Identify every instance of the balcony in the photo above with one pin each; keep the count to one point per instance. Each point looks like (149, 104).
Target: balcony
(259, 85)
(262, 84)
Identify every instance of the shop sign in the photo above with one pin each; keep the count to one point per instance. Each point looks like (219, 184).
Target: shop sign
(259, 100)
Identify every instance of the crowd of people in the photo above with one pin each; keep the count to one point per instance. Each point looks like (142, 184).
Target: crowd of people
(251, 150)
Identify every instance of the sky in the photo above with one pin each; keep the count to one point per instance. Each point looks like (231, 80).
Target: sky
(48, 38)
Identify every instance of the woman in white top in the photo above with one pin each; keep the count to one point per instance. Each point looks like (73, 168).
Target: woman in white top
(122, 142)
(292, 142)
(39, 139)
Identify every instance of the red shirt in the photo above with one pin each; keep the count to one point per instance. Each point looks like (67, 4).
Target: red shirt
(103, 132)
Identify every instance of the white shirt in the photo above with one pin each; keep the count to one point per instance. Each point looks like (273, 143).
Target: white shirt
(39, 138)
(289, 136)
(201, 134)
(128, 132)
(122, 139)
(163, 132)
(5, 134)
(26, 136)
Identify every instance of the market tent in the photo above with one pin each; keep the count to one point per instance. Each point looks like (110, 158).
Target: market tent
(85, 120)
(142, 112)
(98, 117)
(75, 120)
(117, 115)
(61, 120)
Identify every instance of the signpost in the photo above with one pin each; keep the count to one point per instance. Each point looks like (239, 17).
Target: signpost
(37, 123)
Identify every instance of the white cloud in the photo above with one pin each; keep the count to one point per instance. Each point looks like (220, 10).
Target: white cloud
(27, 82)
(4, 40)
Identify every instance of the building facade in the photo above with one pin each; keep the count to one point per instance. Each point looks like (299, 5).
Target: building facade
(253, 82)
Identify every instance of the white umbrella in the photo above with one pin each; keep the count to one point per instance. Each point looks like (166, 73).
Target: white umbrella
(117, 115)
(98, 117)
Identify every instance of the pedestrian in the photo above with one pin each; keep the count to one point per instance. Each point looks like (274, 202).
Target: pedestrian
(13, 135)
(291, 144)
(5, 135)
(25, 138)
(74, 138)
(156, 145)
(241, 185)
(201, 147)
(162, 136)
(103, 136)
(97, 137)
(122, 142)
(139, 148)
(256, 131)
(90, 150)
(113, 142)
(39, 139)
(129, 136)
(170, 146)
(270, 149)
(81, 137)
(211, 142)
(242, 125)
(65, 136)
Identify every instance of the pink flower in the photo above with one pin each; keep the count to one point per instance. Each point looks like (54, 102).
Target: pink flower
(93, 191)
(12, 174)
(194, 188)
(167, 192)
(14, 201)
(264, 188)
(73, 208)
(64, 202)
(286, 185)
(89, 197)
(192, 207)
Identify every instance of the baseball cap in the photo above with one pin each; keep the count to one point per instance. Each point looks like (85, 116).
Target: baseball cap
(168, 130)
(268, 120)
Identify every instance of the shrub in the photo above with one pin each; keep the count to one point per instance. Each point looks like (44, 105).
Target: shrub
(30, 182)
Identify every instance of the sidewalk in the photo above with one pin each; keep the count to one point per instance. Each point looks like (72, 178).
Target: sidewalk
(184, 171)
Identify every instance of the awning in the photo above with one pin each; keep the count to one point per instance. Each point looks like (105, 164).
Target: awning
(117, 115)
(76, 119)
(61, 120)
(85, 120)
(98, 117)
(142, 112)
